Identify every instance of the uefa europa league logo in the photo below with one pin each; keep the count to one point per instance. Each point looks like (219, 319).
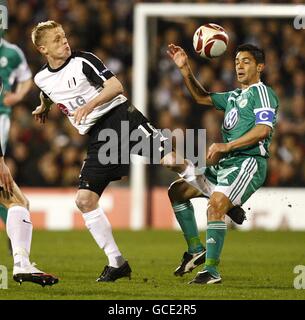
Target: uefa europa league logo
(3, 17)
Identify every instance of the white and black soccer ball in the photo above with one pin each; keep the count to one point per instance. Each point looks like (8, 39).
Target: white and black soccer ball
(210, 40)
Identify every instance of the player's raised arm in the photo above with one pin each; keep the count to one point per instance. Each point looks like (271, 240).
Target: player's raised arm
(252, 137)
(197, 91)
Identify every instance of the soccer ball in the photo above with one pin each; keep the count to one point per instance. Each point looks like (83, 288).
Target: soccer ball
(210, 40)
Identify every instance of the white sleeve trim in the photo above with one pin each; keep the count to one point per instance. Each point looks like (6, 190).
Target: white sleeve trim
(263, 94)
(263, 109)
(268, 123)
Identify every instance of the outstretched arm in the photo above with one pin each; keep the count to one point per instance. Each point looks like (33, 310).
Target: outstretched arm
(11, 98)
(252, 137)
(112, 88)
(197, 91)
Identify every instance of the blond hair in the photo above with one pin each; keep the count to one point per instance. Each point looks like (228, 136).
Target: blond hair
(38, 31)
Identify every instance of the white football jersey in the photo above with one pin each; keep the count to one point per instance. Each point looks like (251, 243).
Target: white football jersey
(79, 80)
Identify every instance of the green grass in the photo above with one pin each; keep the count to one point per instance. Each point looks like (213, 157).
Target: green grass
(255, 265)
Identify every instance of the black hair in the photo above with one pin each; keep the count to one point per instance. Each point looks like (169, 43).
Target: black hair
(257, 53)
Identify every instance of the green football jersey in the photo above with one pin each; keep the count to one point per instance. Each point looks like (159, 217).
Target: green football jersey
(244, 109)
(13, 67)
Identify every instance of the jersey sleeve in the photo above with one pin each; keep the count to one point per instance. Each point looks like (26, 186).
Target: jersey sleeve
(94, 69)
(23, 71)
(265, 106)
(44, 94)
(220, 100)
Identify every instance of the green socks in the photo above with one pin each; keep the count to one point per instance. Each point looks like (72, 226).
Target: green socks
(3, 213)
(215, 236)
(184, 212)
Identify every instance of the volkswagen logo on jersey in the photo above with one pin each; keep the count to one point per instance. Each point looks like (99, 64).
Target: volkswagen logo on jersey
(231, 119)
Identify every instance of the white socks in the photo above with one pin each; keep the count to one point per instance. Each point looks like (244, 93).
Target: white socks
(100, 228)
(192, 176)
(19, 230)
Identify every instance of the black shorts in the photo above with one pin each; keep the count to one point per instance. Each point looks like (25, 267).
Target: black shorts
(96, 174)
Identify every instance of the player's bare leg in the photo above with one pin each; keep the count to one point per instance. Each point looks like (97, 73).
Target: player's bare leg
(100, 228)
(19, 229)
(186, 170)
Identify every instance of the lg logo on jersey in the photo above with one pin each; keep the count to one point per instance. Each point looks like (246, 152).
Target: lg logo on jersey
(231, 119)
(79, 101)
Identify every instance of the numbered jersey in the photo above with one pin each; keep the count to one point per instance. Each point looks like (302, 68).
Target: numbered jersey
(244, 109)
(13, 67)
(79, 80)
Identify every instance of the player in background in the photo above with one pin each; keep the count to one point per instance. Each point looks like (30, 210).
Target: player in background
(19, 229)
(91, 97)
(249, 118)
(14, 70)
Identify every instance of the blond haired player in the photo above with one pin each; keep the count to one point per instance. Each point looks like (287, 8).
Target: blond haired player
(90, 95)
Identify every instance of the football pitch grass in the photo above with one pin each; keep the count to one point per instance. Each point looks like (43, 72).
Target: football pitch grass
(255, 265)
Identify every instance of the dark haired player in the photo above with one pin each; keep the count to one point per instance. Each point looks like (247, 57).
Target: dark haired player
(249, 118)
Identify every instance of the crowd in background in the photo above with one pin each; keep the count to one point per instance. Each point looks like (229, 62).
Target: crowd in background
(52, 154)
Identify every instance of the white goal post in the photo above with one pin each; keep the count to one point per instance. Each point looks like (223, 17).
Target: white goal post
(143, 11)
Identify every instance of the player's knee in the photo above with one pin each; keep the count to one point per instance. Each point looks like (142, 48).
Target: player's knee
(85, 204)
(218, 206)
(171, 162)
(27, 203)
(180, 191)
(175, 191)
(21, 203)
